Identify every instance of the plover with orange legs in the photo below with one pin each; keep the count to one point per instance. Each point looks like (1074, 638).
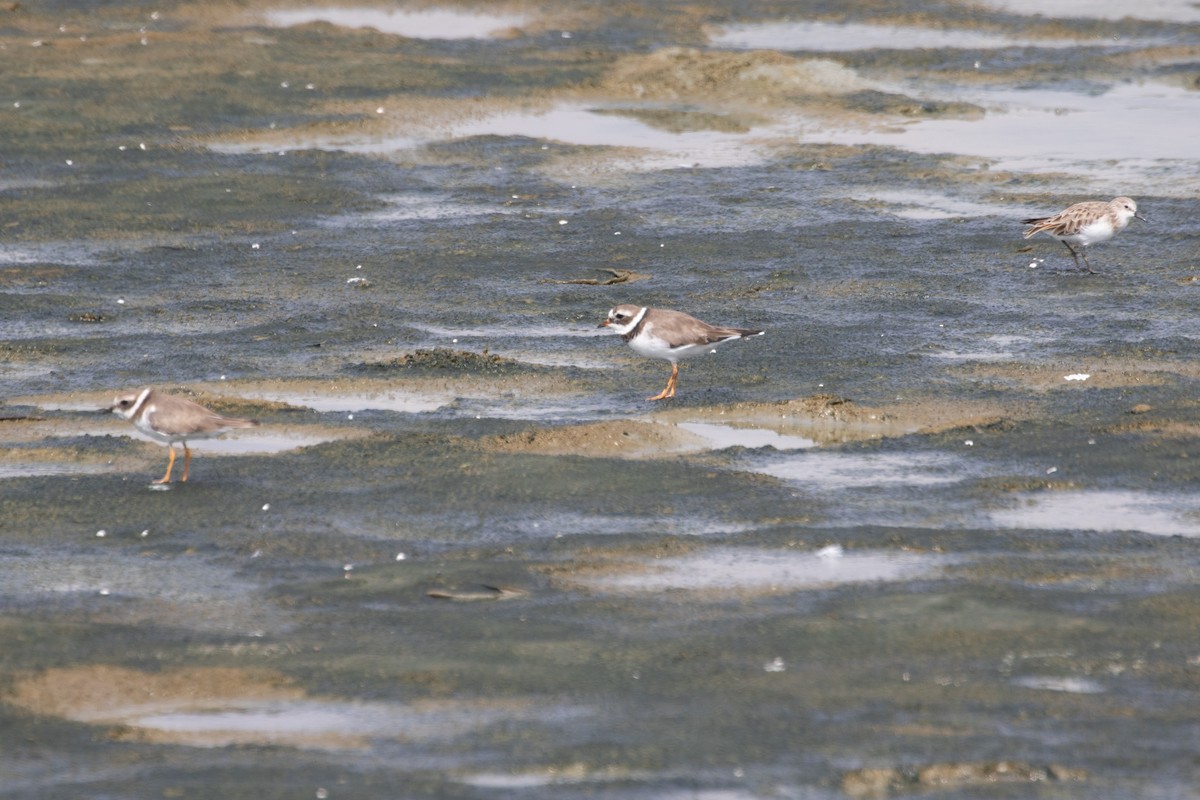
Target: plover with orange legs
(669, 335)
(170, 419)
(1085, 224)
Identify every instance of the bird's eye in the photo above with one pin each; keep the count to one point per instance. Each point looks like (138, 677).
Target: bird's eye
(123, 404)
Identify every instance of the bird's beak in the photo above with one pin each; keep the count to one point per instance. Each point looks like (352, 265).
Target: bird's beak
(1143, 219)
(604, 324)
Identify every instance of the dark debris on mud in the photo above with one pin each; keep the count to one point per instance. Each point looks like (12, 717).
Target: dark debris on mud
(442, 360)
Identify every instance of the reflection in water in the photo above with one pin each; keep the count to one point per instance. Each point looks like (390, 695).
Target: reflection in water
(109, 580)
(67, 253)
(1104, 511)
(1164, 10)
(327, 724)
(1026, 130)
(1033, 130)
(352, 401)
(249, 720)
(1052, 684)
(567, 123)
(854, 470)
(835, 37)
(917, 204)
(423, 24)
(421, 206)
(30, 469)
(722, 436)
(744, 568)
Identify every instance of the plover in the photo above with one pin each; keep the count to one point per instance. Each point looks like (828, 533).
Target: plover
(1084, 224)
(669, 335)
(170, 419)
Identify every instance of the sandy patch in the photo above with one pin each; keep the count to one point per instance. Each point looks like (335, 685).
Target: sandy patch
(220, 707)
(372, 129)
(758, 77)
(723, 91)
(105, 693)
(530, 18)
(414, 393)
(1166, 429)
(828, 419)
(891, 781)
(109, 695)
(680, 102)
(624, 439)
(793, 424)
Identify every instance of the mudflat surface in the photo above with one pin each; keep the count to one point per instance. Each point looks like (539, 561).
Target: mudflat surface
(933, 535)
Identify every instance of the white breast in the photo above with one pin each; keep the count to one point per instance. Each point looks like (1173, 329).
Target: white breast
(654, 347)
(1099, 231)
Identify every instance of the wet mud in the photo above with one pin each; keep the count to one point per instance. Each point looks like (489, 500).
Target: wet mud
(936, 534)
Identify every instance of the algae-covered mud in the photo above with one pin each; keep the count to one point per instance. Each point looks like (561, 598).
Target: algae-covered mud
(934, 535)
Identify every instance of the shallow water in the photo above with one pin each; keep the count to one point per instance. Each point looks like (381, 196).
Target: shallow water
(570, 124)
(29, 469)
(840, 471)
(1051, 684)
(939, 520)
(1028, 130)
(414, 403)
(1168, 10)
(722, 436)
(419, 24)
(325, 724)
(835, 37)
(1106, 511)
(729, 569)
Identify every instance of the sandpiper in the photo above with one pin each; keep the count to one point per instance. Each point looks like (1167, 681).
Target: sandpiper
(1085, 224)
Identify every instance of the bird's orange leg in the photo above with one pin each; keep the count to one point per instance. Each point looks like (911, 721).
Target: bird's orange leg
(670, 390)
(187, 461)
(170, 465)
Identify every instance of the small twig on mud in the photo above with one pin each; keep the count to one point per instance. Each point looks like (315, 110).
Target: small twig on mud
(490, 593)
(618, 276)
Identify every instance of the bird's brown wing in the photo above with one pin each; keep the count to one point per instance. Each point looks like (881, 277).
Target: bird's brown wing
(181, 414)
(1068, 222)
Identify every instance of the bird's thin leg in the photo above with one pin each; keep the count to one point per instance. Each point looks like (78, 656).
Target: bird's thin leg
(670, 390)
(170, 465)
(1080, 254)
(1083, 255)
(1071, 250)
(187, 461)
